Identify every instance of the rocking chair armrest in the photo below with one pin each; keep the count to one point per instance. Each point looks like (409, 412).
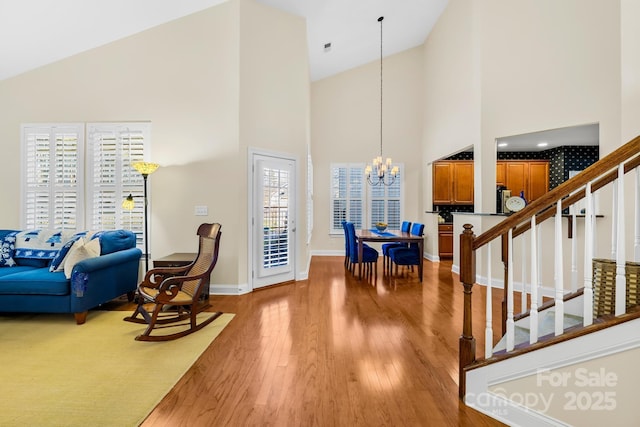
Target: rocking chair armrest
(172, 281)
(162, 274)
(170, 286)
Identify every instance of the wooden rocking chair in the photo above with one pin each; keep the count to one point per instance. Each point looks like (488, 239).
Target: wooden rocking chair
(178, 293)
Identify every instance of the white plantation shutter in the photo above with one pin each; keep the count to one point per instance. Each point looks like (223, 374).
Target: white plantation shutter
(347, 196)
(53, 175)
(112, 148)
(386, 203)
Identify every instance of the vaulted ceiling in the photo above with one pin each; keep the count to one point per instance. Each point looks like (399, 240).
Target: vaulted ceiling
(39, 32)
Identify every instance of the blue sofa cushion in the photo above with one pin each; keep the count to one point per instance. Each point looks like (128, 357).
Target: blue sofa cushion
(116, 240)
(15, 269)
(8, 248)
(38, 281)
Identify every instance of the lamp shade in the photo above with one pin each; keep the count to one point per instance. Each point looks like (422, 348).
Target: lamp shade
(145, 168)
(128, 203)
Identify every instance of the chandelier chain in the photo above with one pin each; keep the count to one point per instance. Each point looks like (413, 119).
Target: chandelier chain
(381, 171)
(380, 20)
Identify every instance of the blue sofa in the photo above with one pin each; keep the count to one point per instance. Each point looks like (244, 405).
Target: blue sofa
(28, 285)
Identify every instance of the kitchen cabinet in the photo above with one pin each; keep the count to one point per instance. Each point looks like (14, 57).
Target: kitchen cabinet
(445, 240)
(500, 173)
(529, 176)
(453, 182)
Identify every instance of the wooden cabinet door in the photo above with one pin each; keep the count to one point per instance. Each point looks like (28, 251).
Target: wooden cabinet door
(462, 182)
(538, 180)
(445, 241)
(516, 177)
(500, 173)
(442, 190)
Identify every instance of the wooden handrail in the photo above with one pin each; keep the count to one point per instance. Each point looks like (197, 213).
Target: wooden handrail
(542, 204)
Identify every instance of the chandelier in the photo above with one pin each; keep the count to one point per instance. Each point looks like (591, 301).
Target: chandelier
(381, 172)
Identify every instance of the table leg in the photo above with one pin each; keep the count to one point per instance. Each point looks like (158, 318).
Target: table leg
(360, 250)
(421, 249)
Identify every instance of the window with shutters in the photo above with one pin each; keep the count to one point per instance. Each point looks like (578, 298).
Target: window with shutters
(386, 204)
(63, 189)
(111, 149)
(354, 200)
(52, 176)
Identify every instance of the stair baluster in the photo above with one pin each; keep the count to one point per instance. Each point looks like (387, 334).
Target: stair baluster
(523, 294)
(511, 333)
(621, 277)
(636, 240)
(559, 271)
(588, 257)
(574, 253)
(533, 321)
(488, 331)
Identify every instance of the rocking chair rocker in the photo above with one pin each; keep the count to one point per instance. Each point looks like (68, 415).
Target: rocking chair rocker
(178, 293)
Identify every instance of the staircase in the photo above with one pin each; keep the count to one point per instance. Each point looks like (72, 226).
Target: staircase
(559, 362)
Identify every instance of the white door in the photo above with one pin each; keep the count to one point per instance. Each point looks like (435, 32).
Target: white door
(273, 221)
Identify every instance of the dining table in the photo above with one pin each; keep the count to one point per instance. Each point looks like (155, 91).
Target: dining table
(387, 236)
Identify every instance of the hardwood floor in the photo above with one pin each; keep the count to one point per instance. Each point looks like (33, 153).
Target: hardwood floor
(332, 351)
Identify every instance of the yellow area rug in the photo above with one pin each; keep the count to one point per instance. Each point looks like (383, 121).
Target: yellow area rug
(56, 373)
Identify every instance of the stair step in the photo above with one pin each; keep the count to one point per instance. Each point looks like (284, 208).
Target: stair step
(546, 326)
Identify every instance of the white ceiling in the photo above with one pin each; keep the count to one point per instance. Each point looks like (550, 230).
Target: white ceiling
(588, 134)
(38, 32)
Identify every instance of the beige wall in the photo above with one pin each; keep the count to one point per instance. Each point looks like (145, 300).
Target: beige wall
(345, 117)
(630, 64)
(501, 68)
(545, 65)
(452, 92)
(274, 104)
(184, 77)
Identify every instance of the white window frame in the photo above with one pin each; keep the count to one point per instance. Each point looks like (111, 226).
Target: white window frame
(367, 197)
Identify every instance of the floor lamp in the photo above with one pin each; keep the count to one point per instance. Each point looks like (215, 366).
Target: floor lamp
(145, 169)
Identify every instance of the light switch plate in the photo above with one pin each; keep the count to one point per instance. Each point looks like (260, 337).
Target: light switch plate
(202, 211)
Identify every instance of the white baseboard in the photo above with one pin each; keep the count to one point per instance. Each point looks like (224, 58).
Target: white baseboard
(431, 257)
(239, 289)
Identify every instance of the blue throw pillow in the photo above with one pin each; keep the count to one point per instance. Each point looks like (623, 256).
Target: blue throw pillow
(8, 249)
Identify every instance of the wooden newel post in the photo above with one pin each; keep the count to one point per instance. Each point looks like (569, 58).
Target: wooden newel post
(468, 278)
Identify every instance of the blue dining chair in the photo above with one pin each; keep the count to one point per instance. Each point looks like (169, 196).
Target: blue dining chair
(369, 255)
(347, 262)
(386, 247)
(409, 255)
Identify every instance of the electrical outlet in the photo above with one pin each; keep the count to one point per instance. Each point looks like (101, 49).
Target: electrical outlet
(202, 211)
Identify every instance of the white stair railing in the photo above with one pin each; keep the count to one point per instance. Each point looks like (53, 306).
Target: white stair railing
(608, 173)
